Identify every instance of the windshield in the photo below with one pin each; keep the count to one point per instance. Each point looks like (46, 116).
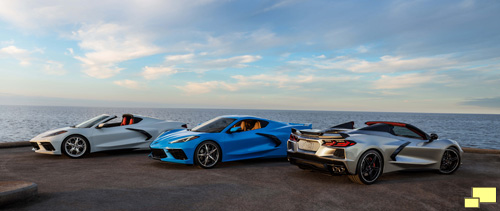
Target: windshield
(214, 125)
(91, 122)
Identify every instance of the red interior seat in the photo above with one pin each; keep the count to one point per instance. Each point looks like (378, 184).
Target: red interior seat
(124, 121)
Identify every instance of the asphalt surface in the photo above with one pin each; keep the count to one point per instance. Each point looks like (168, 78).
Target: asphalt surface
(130, 181)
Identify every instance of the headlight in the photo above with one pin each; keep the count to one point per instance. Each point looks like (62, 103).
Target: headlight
(56, 133)
(184, 139)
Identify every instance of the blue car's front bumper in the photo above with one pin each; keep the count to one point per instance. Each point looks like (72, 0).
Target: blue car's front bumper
(174, 154)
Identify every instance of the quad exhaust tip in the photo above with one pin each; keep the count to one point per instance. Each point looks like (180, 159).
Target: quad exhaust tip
(338, 170)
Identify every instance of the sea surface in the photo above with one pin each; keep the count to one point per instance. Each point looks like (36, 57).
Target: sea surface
(21, 123)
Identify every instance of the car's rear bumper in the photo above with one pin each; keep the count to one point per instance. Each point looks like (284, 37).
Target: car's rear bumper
(323, 159)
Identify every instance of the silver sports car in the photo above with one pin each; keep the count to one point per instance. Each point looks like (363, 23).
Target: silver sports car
(103, 132)
(365, 153)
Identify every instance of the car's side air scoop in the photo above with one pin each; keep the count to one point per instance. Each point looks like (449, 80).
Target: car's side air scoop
(273, 138)
(148, 136)
(398, 150)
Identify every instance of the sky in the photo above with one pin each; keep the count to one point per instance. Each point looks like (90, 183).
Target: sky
(389, 56)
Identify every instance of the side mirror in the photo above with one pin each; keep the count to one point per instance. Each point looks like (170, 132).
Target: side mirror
(235, 129)
(100, 126)
(433, 137)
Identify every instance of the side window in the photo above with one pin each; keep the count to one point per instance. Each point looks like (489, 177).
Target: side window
(251, 124)
(405, 132)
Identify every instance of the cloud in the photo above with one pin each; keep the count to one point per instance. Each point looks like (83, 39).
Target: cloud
(109, 44)
(386, 64)
(230, 43)
(362, 49)
(233, 62)
(397, 64)
(54, 68)
(36, 15)
(204, 61)
(193, 88)
(182, 58)
(492, 102)
(129, 84)
(20, 54)
(261, 81)
(277, 5)
(402, 81)
(151, 73)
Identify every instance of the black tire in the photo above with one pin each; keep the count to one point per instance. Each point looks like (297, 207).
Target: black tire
(450, 161)
(75, 146)
(370, 167)
(207, 154)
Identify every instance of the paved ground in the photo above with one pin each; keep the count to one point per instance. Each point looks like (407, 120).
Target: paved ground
(129, 180)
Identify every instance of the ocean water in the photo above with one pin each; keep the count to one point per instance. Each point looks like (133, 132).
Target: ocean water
(21, 123)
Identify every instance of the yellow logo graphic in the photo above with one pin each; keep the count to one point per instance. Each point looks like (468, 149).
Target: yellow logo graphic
(481, 195)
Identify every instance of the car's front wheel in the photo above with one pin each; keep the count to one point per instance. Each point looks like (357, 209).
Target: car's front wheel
(450, 161)
(207, 154)
(370, 166)
(75, 146)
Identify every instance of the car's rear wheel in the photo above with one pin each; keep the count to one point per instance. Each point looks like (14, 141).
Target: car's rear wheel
(370, 166)
(207, 154)
(75, 146)
(450, 161)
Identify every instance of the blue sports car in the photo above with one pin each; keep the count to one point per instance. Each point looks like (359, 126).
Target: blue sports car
(225, 138)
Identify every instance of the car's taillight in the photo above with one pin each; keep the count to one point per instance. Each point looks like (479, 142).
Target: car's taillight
(293, 137)
(344, 143)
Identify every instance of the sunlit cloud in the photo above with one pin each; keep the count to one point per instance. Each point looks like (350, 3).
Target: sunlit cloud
(255, 50)
(22, 55)
(398, 64)
(233, 62)
(108, 45)
(193, 88)
(261, 82)
(130, 84)
(402, 81)
(181, 58)
(151, 73)
(386, 64)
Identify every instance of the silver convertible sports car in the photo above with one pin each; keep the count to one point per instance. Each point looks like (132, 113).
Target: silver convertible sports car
(103, 132)
(365, 153)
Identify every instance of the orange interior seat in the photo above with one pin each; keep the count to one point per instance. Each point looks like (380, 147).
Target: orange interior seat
(131, 121)
(257, 125)
(243, 126)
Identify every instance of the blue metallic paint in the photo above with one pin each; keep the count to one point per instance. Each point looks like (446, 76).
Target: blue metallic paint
(234, 146)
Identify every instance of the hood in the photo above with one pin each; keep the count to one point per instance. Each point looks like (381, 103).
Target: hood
(52, 131)
(175, 134)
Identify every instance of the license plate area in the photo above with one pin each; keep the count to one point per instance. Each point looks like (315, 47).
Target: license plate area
(308, 145)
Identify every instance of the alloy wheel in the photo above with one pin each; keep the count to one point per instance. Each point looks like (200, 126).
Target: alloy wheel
(75, 146)
(208, 154)
(371, 167)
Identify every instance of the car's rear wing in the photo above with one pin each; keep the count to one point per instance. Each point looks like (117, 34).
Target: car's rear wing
(319, 134)
(301, 124)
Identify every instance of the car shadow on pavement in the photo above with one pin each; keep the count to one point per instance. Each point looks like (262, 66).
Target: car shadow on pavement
(412, 176)
(257, 163)
(111, 153)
